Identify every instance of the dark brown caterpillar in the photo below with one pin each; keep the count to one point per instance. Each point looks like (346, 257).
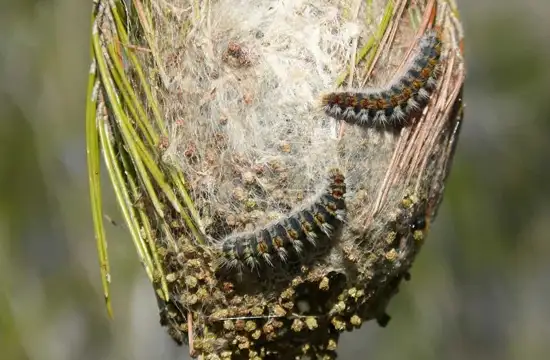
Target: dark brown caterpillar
(392, 104)
(289, 237)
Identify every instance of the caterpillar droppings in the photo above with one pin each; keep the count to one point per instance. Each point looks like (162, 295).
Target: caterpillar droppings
(288, 238)
(393, 103)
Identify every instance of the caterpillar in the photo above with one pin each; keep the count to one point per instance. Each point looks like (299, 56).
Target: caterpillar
(289, 237)
(393, 103)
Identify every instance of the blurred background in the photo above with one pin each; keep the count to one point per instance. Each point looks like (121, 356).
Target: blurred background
(480, 288)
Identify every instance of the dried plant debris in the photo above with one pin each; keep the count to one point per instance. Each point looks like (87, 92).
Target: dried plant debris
(254, 144)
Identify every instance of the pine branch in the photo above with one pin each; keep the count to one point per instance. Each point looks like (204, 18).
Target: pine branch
(136, 77)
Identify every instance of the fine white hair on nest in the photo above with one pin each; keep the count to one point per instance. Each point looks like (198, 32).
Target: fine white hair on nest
(247, 128)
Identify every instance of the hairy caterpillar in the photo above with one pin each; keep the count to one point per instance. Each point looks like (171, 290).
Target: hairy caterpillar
(393, 103)
(289, 237)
